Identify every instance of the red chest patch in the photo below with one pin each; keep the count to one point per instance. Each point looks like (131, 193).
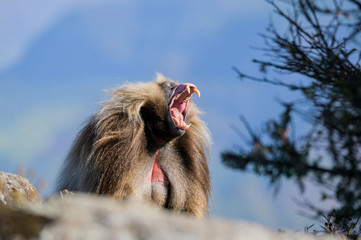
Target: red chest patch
(157, 174)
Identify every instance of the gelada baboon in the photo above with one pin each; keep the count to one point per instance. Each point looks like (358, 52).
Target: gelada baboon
(147, 142)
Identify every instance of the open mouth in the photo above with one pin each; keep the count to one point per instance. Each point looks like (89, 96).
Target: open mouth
(179, 104)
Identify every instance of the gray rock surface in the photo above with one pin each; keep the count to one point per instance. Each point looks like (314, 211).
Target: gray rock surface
(16, 188)
(91, 217)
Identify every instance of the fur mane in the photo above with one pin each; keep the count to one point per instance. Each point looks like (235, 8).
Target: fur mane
(130, 97)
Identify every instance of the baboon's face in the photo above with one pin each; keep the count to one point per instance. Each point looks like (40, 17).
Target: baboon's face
(168, 118)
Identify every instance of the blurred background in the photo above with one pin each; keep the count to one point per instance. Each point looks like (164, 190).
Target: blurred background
(58, 57)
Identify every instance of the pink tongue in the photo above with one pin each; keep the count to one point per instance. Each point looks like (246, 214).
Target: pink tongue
(175, 113)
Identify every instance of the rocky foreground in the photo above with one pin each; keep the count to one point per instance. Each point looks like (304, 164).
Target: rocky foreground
(23, 215)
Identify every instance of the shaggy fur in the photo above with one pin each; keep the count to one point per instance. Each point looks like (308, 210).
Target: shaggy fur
(114, 153)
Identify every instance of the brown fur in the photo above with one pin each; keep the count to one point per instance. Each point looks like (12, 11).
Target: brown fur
(113, 154)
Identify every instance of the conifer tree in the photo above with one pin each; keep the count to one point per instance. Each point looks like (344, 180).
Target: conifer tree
(318, 56)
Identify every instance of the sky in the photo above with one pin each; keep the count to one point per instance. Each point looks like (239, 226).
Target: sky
(58, 57)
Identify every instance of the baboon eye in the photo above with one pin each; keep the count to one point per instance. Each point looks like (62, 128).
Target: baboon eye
(170, 85)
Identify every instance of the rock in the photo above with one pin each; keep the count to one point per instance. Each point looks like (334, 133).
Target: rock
(16, 188)
(92, 217)
(20, 223)
(16, 191)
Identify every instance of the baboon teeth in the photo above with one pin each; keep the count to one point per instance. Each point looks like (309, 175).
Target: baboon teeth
(187, 98)
(179, 94)
(190, 93)
(176, 121)
(181, 124)
(197, 92)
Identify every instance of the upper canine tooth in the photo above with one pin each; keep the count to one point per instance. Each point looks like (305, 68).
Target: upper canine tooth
(188, 89)
(197, 92)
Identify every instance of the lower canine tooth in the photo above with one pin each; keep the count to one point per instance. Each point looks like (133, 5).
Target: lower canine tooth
(176, 121)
